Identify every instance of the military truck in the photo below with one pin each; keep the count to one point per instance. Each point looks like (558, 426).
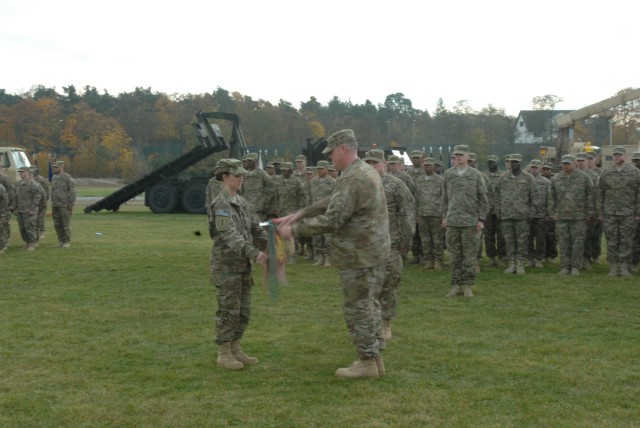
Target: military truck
(13, 158)
(169, 188)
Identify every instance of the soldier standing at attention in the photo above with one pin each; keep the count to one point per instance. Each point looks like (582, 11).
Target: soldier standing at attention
(5, 216)
(513, 195)
(356, 216)
(417, 159)
(237, 238)
(590, 249)
(400, 204)
(321, 186)
(63, 196)
(571, 205)
(42, 210)
(464, 208)
(618, 203)
(395, 168)
(635, 256)
(550, 244)
(493, 239)
(538, 223)
(429, 215)
(5, 181)
(258, 189)
(27, 203)
(301, 164)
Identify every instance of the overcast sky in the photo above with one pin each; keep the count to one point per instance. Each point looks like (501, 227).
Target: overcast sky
(502, 53)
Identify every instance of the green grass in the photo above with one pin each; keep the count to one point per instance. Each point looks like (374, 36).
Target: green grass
(96, 191)
(117, 331)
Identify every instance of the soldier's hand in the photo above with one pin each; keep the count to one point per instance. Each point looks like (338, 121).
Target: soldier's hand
(262, 258)
(444, 223)
(284, 230)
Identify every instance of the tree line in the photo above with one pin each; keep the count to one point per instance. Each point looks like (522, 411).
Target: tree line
(102, 135)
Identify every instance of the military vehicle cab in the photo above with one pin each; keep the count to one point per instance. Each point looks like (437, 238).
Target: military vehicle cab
(12, 159)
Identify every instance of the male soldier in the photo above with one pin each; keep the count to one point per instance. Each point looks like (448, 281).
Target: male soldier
(538, 223)
(592, 226)
(400, 204)
(270, 169)
(301, 164)
(596, 238)
(63, 196)
(27, 203)
(333, 172)
(5, 181)
(493, 239)
(550, 244)
(571, 205)
(4, 218)
(277, 163)
(513, 195)
(618, 204)
(395, 168)
(429, 215)
(356, 216)
(635, 257)
(321, 186)
(291, 194)
(417, 158)
(473, 160)
(464, 209)
(258, 189)
(307, 241)
(42, 209)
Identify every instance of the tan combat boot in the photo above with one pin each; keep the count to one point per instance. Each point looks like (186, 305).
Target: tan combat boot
(624, 270)
(455, 291)
(538, 264)
(511, 268)
(386, 330)
(519, 267)
(31, 247)
(327, 261)
(613, 271)
(319, 261)
(428, 264)
(564, 271)
(467, 291)
(226, 359)
(575, 271)
(437, 266)
(240, 355)
(366, 367)
(380, 365)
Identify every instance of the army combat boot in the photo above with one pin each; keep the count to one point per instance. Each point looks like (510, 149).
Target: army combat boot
(319, 261)
(240, 355)
(511, 268)
(467, 291)
(380, 365)
(364, 367)
(624, 270)
(327, 261)
(386, 330)
(437, 266)
(455, 291)
(613, 271)
(226, 359)
(519, 267)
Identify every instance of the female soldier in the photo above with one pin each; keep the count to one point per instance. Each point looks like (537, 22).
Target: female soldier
(233, 228)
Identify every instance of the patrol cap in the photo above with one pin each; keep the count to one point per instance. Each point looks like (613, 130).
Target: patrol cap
(437, 162)
(277, 160)
(24, 169)
(269, 165)
(331, 167)
(393, 159)
(568, 159)
(375, 155)
(58, 164)
(473, 156)
(251, 156)
(493, 158)
(230, 166)
(339, 138)
(582, 156)
(547, 166)
(429, 161)
(535, 163)
(619, 151)
(309, 170)
(514, 157)
(460, 149)
(301, 158)
(322, 164)
(416, 154)
(287, 166)
(591, 155)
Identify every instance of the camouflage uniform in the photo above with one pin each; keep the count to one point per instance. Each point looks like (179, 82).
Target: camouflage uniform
(213, 188)
(428, 213)
(571, 203)
(291, 195)
(493, 239)
(618, 201)
(356, 216)
(415, 172)
(42, 210)
(63, 196)
(5, 232)
(259, 190)
(234, 229)
(27, 203)
(4, 218)
(513, 195)
(538, 222)
(320, 188)
(550, 243)
(464, 203)
(594, 226)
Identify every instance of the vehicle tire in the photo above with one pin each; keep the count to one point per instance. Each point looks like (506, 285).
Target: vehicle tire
(194, 198)
(163, 198)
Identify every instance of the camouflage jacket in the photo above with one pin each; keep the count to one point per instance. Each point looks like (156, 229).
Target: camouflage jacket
(4, 200)
(428, 195)
(464, 197)
(491, 180)
(356, 215)
(27, 196)
(10, 188)
(571, 196)
(63, 190)
(235, 232)
(540, 196)
(259, 190)
(400, 208)
(513, 194)
(618, 191)
(407, 180)
(321, 187)
(291, 196)
(213, 188)
(46, 186)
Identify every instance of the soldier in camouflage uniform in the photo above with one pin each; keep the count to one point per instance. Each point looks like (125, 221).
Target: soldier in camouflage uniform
(356, 216)
(395, 168)
(429, 215)
(5, 216)
(550, 243)
(301, 165)
(277, 163)
(618, 204)
(596, 237)
(417, 159)
(493, 239)
(464, 208)
(237, 241)
(538, 222)
(27, 202)
(63, 197)
(635, 252)
(213, 188)
(321, 186)
(513, 195)
(571, 205)
(333, 172)
(270, 169)
(258, 189)
(400, 205)
(5, 181)
(291, 196)
(42, 209)
(592, 226)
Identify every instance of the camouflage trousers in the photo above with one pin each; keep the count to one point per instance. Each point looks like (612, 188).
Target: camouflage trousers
(361, 309)
(619, 232)
(42, 215)
(551, 243)
(28, 224)
(493, 239)
(5, 229)
(233, 292)
(635, 251)
(321, 244)
(591, 244)
(62, 223)
(462, 245)
(416, 243)
(516, 239)
(571, 235)
(537, 239)
(432, 236)
(388, 293)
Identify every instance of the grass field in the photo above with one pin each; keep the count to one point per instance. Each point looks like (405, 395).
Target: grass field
(117, 331)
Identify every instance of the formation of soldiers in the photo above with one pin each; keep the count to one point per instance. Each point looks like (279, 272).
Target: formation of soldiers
(28, 200)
